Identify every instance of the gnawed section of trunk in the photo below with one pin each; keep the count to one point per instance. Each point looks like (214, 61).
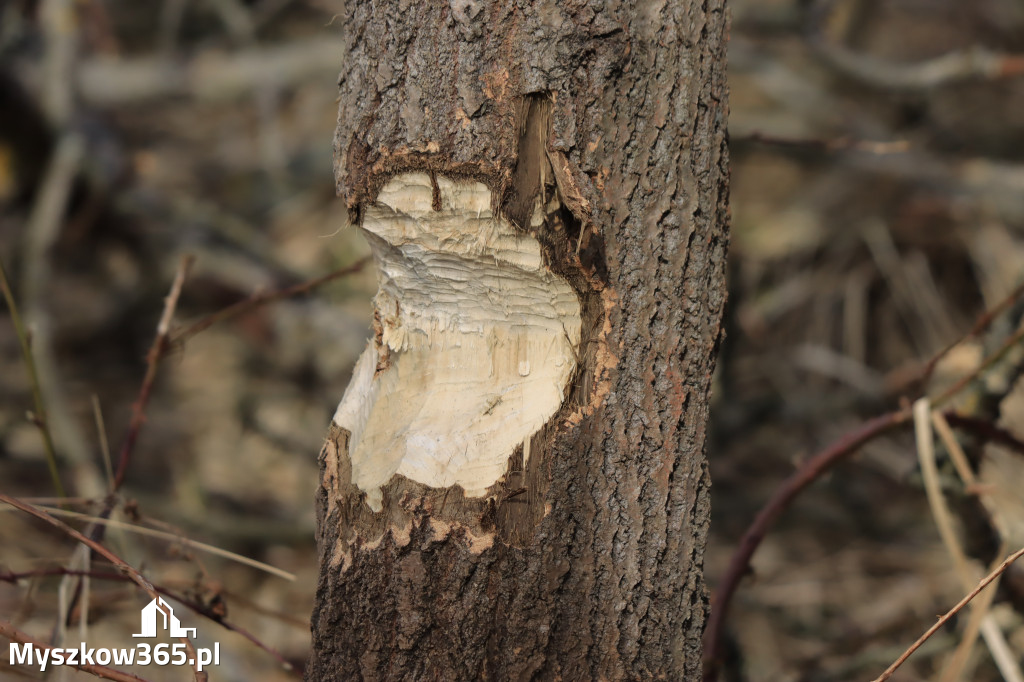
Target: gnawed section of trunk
(476, 341)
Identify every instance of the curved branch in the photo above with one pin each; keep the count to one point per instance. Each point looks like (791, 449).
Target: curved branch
(809, 472)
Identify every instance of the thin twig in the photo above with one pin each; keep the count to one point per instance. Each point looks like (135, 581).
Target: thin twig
(924, 418)
(949, 614)
(980, 621)
(194, 606)
(960, 385)
(15, 635)
(120, 563)
(179, 336)
(39, 415)
(175, 538)
(982, 323)
(153, 358)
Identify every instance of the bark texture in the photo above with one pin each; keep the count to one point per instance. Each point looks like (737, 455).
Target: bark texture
(585, 561)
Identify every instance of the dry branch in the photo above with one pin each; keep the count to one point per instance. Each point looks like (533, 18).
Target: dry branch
(156, 354)
(179, 336)
(949, 614)
(120, 563)
(176, 538)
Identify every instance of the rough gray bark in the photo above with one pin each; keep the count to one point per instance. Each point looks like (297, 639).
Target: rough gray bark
(586, 563)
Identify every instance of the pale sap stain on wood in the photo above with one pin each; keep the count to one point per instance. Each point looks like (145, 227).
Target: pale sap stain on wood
(476, 341)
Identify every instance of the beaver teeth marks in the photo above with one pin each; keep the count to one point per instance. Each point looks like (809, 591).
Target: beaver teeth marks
(476, 341)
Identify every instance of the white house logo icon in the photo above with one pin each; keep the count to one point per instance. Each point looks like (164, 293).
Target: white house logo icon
(171, 623)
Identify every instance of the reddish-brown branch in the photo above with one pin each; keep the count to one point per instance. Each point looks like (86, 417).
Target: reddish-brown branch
(117, 561)
(120, 563)
(986, 430)
(14, 634)
(257, 300)
(809, 472)
(153, 358)
(982, 323)
(196, 607)
(965, 380)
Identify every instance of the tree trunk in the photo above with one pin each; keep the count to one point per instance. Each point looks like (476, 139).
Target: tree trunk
(514, 485)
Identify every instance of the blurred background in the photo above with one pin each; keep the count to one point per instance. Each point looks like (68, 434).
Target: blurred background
(878, 210)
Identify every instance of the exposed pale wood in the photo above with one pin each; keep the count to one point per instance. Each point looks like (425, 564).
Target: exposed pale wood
(476, 341)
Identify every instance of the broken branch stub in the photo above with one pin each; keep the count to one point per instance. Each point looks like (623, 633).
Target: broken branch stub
(476, 341)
